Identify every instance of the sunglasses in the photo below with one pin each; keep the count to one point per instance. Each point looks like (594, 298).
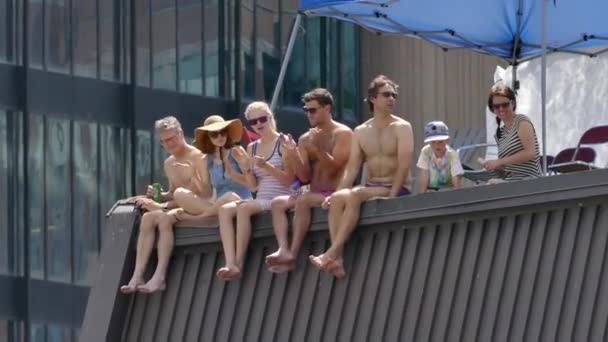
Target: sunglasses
(216, 134)
(261, 119)
(311, 110)
(496, 106)
(388, 94)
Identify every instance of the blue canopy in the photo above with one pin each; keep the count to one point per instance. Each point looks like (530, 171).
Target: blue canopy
(510, 29)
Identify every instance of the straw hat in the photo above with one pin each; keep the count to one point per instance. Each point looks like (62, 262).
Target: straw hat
(216, 123)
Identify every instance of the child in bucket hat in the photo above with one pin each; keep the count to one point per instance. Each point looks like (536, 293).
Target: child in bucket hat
(439, 164)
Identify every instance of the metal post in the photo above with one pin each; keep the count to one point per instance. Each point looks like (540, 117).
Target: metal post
(543, 86)
(26, 184)
(292, 40)
(516, 47)
(514, 77)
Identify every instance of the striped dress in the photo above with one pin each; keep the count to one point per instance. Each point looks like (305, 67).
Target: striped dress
(268, 186)
(509, 144)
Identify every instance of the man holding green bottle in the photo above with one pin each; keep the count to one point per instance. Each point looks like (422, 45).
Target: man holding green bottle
(183, 168)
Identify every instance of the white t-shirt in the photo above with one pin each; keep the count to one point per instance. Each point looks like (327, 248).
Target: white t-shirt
(441, 170)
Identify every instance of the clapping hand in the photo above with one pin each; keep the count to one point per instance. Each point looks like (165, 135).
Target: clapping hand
(242, 158)
(289, 145)
(313, 140)
(258, 161)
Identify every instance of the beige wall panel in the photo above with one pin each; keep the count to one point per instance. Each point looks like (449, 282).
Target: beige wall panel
(435, 85)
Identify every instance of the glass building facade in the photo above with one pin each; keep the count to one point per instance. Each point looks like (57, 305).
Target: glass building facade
(81, 83)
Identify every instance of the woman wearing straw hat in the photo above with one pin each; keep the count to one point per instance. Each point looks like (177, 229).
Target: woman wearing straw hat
(270, 175)
(216, 138)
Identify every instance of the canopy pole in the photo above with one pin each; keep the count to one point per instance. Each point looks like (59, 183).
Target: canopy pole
(516, 48)
(292, 40)
(514, 78)
(543, 85)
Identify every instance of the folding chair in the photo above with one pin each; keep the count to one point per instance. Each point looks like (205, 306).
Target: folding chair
(550, 160)
(593, 136)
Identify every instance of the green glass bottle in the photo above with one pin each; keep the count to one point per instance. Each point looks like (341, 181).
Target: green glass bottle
(158, 189)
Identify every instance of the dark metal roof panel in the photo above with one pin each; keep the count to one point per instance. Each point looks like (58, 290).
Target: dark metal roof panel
(530, 276)
(528, 268)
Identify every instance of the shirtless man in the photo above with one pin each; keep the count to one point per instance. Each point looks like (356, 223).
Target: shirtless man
(187, 184)
(386, 143)
(320, 159)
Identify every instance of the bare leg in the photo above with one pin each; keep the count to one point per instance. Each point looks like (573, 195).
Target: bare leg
(190, 202)
(226, 198)
(280, 205)
(346, 227)
(145, 243)
(303, 214)
(337, 210)
(166, 241)
(331, 260)
(337, 214)
(227, 212)
(244, 211)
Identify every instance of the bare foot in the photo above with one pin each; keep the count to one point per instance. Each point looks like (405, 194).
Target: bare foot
(132, 286)
(318, 261)
(328, 264)
(221, 273)
(282, 268)
(153, 285)
(280, 257)
(229, 272)
(335, 267)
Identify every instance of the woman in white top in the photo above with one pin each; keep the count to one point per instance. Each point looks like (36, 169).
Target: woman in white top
(269, 176)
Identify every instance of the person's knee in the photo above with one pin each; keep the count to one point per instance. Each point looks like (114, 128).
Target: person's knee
(354, 198)
(147, 217)
(228, 197)
(303, 203)
(180, 194)
(244, 212)
(231, 196)
(342, 196)
(279, 204)
(226, 210)
(166, 222)
(149, 220)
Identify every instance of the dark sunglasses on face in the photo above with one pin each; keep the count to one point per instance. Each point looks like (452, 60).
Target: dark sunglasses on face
(388, 94)
(261, 119)
(497, 106)
(216, 134)
(310, 110)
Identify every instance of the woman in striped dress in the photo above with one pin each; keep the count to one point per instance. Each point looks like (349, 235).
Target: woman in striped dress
(269, 176)
(518, 152)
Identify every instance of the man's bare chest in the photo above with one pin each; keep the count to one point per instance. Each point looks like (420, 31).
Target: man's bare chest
(379, 142)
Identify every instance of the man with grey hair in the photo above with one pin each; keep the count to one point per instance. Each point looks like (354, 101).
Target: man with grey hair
(186, 181)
